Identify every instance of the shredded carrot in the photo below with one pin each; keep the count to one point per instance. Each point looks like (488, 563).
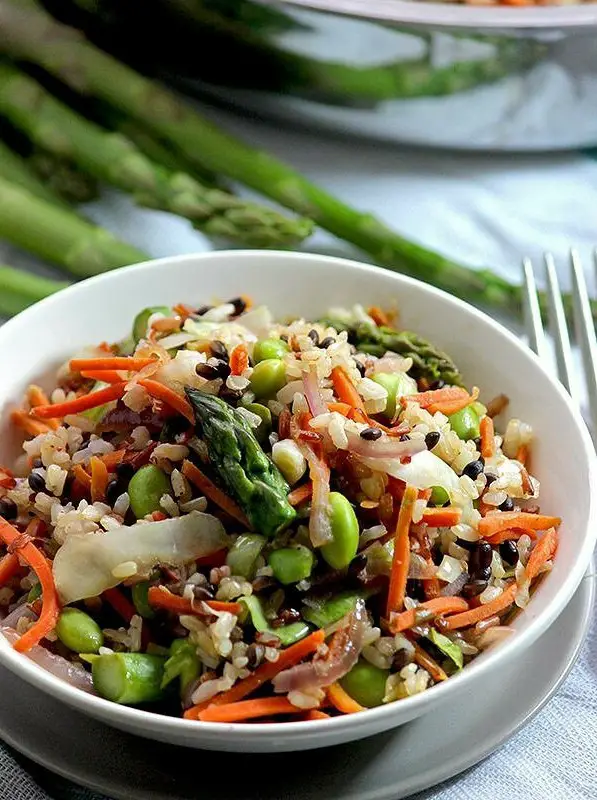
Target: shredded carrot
(401, 559)
(248, 709)
(166, 325)
(314, 714)
(110, 362)
(161, 392)
(541, 552)
(121, 604)
(83, 403)
(82, 476)
(345, 389)
(112, 459)
(37, 397)
(442, 517)
(494, 523)
(158, 516)
(213, 492)
(239, 359)
(510, 533)
(104, 375)
(300, 494)
(99, 480)
(522, 454)
(447, 401)
(263, 674)
(162, 598)
(7, 479)
(50, 605)
(341, 700)
(183, 311)
(9, 566)
(340, 408)
(487, 437)
(378, 315)
(31, 427)
(440, 605)
(423, 659)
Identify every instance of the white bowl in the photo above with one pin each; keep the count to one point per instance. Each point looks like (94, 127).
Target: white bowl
(35, 342)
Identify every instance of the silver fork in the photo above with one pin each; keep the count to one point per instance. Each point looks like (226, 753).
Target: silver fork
(583, 326)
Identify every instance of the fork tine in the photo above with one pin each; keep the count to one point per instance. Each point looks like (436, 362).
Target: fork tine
(558, 327)
(532, 312)
(585, 331)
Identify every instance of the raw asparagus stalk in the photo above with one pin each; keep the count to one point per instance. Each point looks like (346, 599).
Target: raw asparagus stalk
(428, 361)
(64, 178)
(14, 168)
(113, 158)
(236, 456)
(32, 34)
(59, 235)
(19, 289)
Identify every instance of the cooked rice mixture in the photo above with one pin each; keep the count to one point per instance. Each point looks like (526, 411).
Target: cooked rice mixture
(234, 519)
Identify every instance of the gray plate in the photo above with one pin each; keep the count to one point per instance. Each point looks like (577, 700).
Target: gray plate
(386, 767)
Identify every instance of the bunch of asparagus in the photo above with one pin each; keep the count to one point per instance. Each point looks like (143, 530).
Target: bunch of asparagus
(123, 129)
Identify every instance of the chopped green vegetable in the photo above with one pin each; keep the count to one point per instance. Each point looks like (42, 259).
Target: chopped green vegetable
(183, 662)
(78, 631)
(128, 678)
(141, 320)
(242, 556)
(447, 646)
(265, 428)
(291, 564)
(439, 496)
(140, 601)
(288, 634)
(325, 612)
(465, 423)
(396, 384)
(237, 457)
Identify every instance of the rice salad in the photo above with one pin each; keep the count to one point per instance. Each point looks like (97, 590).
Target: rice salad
(230, 517)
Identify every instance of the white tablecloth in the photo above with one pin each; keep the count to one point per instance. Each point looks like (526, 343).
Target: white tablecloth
(485, 210)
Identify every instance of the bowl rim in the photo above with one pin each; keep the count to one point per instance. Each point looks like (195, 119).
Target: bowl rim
(452, 15)
(408, 707)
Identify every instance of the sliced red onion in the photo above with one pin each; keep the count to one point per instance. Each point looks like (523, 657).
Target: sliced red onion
(454, 588)
(384, 447)
(316, 403)
(493, 636)
(343, 653)
(419, 569)
(10, 620)
(73, 674)
(320, 528)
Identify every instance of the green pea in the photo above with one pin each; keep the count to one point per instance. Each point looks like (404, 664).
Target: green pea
(139, 592)
(366, 684)
(243, 555)
(78, 631)
(142, 318)
(146, 489)
(265, 428)
(291, 564)
(268, 377)
(439, 496)
(269, 348)
(345, 530)
(397, 384)
(465, 423)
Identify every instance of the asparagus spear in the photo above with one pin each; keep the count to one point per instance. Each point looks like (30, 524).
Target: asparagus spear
(31, 34)
(64, 178)
(60, 235)
(16, 169)
(114, 159)
(428, 361)
(19, 289)
(240, 463)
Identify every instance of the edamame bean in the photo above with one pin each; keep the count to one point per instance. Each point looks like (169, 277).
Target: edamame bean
(345, 531)
(269, 348)
(268, 377)
(142, 318)
(242, 556)
(78, 631)
(265, 428)
(396, 384)
(439, 496)
(366, 683)
(465, 423)
(146, 489)
(291, 564)
(128, 678)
